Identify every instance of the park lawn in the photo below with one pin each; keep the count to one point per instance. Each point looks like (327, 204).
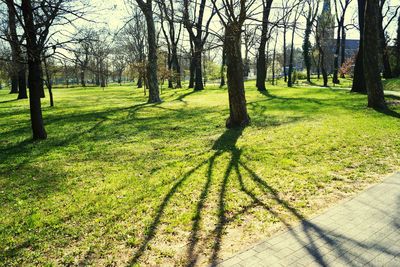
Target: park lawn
(392, 84)
(122, 182)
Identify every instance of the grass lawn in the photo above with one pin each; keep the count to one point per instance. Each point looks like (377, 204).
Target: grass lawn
(392, 85)
(122, 182)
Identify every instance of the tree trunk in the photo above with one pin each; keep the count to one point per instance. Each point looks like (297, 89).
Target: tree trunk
(198, 68)
(397, 70)
(284, 52)
(261, 60)
(343, 50)
(140, 81)
(335, 78)
(83, 82)
(35, 72)
(359, 85)
(376, 98)
(307, 47)
(290, 78)
(222, 74)
(387, 70)
(22, 82)
(192, 71)
(237, 99)
(14, 83)
(152, 79)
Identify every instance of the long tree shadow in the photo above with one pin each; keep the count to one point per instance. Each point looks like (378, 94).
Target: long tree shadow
(389, 112)
(181, 98)
(312, 231)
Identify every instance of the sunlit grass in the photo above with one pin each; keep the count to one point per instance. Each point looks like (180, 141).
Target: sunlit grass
(120, 181)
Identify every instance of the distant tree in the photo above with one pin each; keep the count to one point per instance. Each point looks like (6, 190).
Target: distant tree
(250, 40)
(18, 71)
(134, 37)
(49, 70)
(83, 52)
(172, 30)
(324, 36)
(340, 13)
(376, 98)
(313, 7)
(296, 16)
(387, 14)
(198, 29)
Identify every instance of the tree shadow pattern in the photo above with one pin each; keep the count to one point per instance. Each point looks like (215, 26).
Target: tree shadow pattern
(237, 167)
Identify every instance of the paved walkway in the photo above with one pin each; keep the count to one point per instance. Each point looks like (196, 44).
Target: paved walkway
(364, 231)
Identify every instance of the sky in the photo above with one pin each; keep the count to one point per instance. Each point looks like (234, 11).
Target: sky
(113, 14)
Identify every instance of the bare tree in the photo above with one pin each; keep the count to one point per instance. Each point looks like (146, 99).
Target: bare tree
(387, 14)
(261, 60)
(313, 7)
(232, 15)
(172, 34)
(296, 16)
(198, 30)
(152, 80)
(340, 16)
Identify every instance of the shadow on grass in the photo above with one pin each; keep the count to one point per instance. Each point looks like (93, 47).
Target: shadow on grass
(8, 101)
(309, 232)
(181, 98)
(389, 112)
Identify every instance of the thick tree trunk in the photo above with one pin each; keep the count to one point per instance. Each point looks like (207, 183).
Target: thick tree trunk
(152, 79)
(376, 98)
(35, 72)
(198, 68)
(359, 85)
(14, 83)
(22, 94)
(237, 100)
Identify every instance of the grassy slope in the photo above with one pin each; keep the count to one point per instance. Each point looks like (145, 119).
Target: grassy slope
(119, 181)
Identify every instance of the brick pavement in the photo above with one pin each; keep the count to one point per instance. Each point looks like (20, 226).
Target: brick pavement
(364, 231)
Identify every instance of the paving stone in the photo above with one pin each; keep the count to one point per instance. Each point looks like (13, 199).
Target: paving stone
(364, 231)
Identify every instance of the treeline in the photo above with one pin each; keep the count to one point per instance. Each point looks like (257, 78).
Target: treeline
(167, 41)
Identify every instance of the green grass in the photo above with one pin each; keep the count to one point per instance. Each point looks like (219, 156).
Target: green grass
(392, 84)
(122, 182)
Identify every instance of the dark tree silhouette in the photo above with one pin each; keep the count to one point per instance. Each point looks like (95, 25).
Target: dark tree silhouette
(233, 18)
(372, 74)
(152, 79)
(261, 59)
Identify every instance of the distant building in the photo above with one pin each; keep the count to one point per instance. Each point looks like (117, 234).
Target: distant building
(351, 48)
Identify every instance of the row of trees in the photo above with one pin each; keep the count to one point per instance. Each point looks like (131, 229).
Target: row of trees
(151, 44)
